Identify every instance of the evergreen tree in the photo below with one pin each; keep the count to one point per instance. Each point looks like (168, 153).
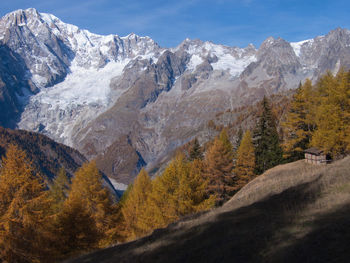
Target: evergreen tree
(219, 168)
(245, 163)
(268, 152)
(300, 122)
(24, 206)
(196, 152)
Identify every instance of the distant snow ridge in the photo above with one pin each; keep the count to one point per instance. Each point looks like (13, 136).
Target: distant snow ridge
(97, 50)
(233, 59)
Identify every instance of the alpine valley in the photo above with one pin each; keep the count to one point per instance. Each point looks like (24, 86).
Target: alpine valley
(128, 102)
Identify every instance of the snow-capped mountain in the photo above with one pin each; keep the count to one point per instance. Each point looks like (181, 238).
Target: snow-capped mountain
(53, 51)
(130, 101)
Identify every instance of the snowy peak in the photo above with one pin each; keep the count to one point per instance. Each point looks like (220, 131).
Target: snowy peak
(51, 47)
(271, 43)
(231, 59)
(78, 39)
(21, 17)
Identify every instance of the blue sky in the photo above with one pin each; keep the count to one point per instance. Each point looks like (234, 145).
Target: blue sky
(229, 22)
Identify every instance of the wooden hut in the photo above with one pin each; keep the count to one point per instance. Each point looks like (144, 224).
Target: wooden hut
(315, 156)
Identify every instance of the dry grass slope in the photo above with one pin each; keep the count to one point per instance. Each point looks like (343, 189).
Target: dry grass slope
(293, 213)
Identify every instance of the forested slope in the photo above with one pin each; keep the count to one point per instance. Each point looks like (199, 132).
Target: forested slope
(292, 213)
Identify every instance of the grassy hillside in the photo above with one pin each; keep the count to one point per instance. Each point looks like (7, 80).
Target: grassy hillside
(292, 213)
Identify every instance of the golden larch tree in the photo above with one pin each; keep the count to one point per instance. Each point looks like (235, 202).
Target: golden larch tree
(219, 168)
(332, 113)
(245, 163)
(88, 188)
(135, 205)
(59, 190)
(24, 207)
(300, 122)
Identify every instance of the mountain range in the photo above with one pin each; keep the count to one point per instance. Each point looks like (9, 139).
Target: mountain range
(128, 102)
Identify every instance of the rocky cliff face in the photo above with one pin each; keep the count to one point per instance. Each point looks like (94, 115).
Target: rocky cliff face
(96, 92)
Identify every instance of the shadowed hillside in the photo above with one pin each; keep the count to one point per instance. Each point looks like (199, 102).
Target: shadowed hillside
(292, 213)
(47, 155)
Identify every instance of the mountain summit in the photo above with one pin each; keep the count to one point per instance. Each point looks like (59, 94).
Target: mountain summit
(128, 100)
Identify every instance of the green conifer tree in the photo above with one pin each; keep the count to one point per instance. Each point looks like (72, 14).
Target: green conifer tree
(268, 152)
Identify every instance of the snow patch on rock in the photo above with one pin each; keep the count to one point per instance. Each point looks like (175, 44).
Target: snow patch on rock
(82, 86)
(194, 62)
(233, 65)
(297, 46)
(117, 185)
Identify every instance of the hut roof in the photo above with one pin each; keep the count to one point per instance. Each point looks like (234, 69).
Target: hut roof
(314, 150)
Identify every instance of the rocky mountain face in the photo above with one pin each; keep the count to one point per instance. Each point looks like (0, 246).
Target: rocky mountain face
(102, 94)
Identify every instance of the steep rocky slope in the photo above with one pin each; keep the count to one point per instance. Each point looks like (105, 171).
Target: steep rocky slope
(91, 92)
(296, 212)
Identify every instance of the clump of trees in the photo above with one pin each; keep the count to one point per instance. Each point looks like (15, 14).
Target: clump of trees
(179, 191)
(38, 224)
(319, 116)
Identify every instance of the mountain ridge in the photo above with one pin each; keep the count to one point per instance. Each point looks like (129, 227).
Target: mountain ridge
(90, 91)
